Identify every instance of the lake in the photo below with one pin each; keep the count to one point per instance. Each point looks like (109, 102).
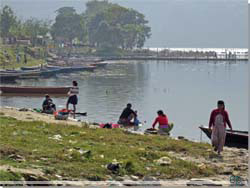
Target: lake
(185, 91)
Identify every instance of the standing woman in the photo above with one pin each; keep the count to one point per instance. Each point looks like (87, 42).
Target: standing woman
(74, 91)
(218, 120)
(162, 119)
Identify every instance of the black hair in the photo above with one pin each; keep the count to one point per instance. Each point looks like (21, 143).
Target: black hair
(129, 105)
(221, 102)
(160, 113)
(74, 83)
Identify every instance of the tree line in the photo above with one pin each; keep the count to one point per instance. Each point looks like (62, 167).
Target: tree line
(101, 25)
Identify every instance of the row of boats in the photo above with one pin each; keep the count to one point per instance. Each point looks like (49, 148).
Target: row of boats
(44, 71)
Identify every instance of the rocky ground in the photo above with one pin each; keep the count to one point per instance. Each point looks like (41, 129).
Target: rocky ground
(232, 164)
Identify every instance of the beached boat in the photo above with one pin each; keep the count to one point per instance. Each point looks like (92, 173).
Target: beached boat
(76, 69)
(85, 68)
(234, 138)
(50, 72)
(29, 77)
(99, 64)
(31, 68)
(19, 74)
(8, 77)
(29, 74)
(8, 71)
(34, 90)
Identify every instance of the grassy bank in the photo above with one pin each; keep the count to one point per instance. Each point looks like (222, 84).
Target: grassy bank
(74, 153)
(11, 62)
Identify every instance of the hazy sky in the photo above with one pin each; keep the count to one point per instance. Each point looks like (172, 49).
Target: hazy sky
(174, 23)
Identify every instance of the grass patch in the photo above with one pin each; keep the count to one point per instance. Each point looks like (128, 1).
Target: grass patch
(12, 63)
(9, 176)
(83, 153)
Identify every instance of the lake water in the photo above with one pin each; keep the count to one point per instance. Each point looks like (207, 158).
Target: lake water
(185, 91)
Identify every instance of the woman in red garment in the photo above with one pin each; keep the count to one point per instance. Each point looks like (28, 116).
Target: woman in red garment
(218, 120)
(162, 119)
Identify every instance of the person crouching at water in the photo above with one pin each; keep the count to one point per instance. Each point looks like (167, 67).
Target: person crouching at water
(127, 115)
(74, 91)
(48, 106)
(218, 120)
(162, 119)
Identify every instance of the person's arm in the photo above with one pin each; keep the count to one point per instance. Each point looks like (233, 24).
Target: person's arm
(69, 93)
(133, 112)
(211, 120)
(156, 120)
(228, 120)
(44, 104)
(122, 114)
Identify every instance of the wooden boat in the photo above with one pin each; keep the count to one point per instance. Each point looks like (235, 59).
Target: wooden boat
(234, 138)
(8, 77)
(85, 68)
(34, 90)
(31, 68)
(99, 64)
(49, 72)
(28, 75)
(52, 67)
(8, 71)
(76, 68)
(5, 76)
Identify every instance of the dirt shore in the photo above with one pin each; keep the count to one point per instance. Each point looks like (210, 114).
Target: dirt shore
(34, 116)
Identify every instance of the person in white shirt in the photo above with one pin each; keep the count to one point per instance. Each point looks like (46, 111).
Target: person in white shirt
(74, 91)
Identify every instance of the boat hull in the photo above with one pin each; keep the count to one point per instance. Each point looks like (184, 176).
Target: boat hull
(100, 65)
(34, 90)
(4, 77)
(30, 68)
(237, 139)
(76, 69)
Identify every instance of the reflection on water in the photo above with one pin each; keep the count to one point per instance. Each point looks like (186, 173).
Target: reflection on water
(187, 92)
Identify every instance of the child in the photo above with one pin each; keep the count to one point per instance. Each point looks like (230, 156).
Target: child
(74, 91)
(136, 122)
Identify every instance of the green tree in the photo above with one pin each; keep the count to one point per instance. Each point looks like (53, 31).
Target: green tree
(17, 30)
(34, 28)
(7, 21)
(94, 7)
(68, 25)
(111, 25)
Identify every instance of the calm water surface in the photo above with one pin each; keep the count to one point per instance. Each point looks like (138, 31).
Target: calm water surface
(186, 92)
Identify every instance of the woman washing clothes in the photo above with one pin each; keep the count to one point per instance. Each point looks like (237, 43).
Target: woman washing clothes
(162, 119)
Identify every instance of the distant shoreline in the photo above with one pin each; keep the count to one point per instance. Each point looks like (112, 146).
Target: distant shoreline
(173, 58)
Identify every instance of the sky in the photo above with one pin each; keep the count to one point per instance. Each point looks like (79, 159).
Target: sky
(174, 23)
